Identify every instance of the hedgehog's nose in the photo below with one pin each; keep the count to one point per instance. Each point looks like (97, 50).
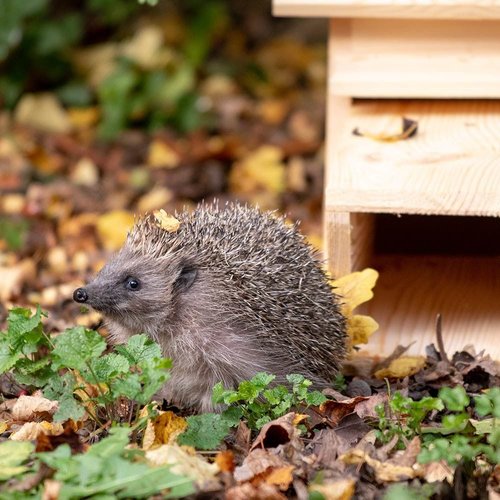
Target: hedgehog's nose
(80, 295)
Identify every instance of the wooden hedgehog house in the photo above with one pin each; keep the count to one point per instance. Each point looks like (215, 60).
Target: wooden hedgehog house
(422, 211)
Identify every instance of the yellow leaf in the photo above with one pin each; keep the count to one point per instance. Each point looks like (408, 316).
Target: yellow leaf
(165, 221)
(158, 197)
(355, 288)
(298, 418)
(183, 462)
(263, 170)
(315, 240)
(402, 367)
(161, 155)
(84, 118)
(3, 427)
(342, 489)
(281, 477)
(112, 228)
(42, 112)
(360, 328)
(145, 46)
(384, 471)
(31, 430)
(163, 429)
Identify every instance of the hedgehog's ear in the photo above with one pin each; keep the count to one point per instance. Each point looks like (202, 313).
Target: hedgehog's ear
(186, 278)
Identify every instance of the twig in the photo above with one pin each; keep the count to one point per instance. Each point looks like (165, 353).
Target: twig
(439, 337)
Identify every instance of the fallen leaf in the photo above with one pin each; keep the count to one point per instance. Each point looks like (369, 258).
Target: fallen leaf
(163, 429)
(47, 163)
(158, 197)
(402, 367)
(225, 461)
(273, 111)
(29, 407)
(353, 290)
(112, 228)
(84, 118)
(161, 155)
(384, 471)
(97, 62)
(408, 456)
(366, 409)
(360, 328)
(31, 430)
(42, 112)
(408, 128)
(335, 411)
(342, 489)
(12, 204)
(57, 260)
(184, 463)
(242, 437)
(279, 431)
(261, 171)
(147, 48)
(166, 221)
(51, 489)
(70, 436)
(248, 491)
(14, 277)
(85, 173)
(438, 471)
(259, 462)
(281, 477)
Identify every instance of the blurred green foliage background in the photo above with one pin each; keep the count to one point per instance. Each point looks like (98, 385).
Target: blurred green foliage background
(43, 43)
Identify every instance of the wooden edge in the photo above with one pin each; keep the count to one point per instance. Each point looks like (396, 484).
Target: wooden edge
(349, 239)
(385, 9)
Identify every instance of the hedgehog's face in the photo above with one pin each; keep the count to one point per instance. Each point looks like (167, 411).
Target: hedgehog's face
(140, 293)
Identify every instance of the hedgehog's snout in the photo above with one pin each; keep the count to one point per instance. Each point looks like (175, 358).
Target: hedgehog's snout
(80, 295)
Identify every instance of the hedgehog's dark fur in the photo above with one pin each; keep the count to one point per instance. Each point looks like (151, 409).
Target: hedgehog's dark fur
(232, 292)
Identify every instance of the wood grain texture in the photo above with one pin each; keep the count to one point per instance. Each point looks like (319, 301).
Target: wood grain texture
(416, 9)
(412, 290)
(451, 167)
(349, 241)
(414, 58)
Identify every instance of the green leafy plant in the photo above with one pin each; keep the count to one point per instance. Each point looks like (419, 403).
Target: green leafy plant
(461, 438)
(109, 469)
(259, 402)
(73, 369)
(403, 416)
(255, 400)
(458, 437)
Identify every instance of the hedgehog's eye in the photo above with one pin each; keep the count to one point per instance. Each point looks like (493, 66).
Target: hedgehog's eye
(132, 283)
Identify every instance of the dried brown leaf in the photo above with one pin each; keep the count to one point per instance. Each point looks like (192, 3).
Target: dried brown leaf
(341, 489)
(280, 431)
(335, 411)
(29, 408)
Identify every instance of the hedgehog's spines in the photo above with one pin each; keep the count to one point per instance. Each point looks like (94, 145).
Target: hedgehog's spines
(273, 274)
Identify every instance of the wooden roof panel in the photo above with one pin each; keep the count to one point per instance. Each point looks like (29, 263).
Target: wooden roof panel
(416, 9)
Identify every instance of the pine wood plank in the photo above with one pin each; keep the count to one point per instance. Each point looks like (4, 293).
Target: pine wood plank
(349, 241)
(416, 9)
(452, 166)
(412, 290)
(414, 58)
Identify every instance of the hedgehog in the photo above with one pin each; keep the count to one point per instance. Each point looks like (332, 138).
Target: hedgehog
(232, 292)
